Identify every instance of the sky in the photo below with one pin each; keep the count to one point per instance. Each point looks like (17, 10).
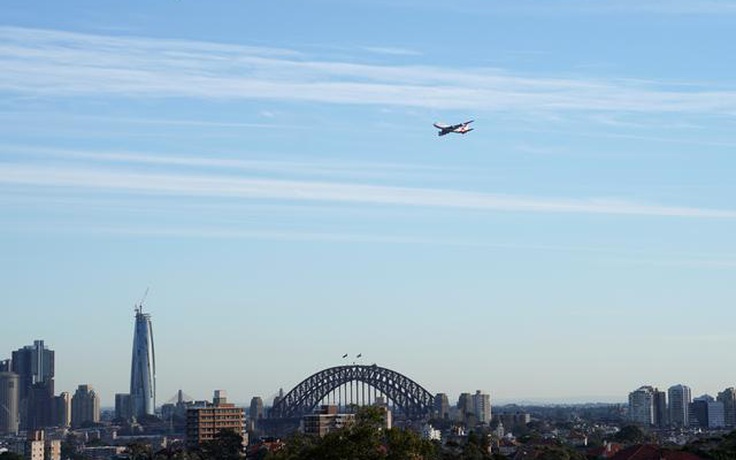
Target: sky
(270, 173)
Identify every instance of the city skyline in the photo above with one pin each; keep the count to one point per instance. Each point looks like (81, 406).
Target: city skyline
(272, 173)
(678, 394)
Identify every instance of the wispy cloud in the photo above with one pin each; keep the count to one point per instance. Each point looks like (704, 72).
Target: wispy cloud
(293, 168)
(203, 185)
(392, 51)
(531, 7)
(659, 7)
(54, 63)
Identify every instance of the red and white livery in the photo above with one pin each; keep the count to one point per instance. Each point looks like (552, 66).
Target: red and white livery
(461, 128)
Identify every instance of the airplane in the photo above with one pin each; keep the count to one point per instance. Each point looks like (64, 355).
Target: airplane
(462, 128)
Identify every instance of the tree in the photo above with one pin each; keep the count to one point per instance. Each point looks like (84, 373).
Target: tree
(723, 448)
(139, 451)
(226, 445)
(477, 446)
(631, 434)
(70, 447)
(10, 456)
(365, 439)
(405, 444)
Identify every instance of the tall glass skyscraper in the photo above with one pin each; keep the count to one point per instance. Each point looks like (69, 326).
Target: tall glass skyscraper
(143, 367)
(34, 365)
(680, 399)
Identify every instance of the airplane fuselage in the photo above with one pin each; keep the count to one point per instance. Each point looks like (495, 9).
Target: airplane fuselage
(461, 128)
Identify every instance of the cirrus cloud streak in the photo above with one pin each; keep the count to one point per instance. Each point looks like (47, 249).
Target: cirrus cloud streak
(61, 64)
(103, 180)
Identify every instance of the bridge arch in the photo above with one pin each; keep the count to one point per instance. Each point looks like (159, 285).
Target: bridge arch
(407, 395)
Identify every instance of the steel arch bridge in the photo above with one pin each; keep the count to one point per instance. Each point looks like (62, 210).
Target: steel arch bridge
(411, 398)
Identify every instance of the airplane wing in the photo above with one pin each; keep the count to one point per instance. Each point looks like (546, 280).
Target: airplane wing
(460, 128)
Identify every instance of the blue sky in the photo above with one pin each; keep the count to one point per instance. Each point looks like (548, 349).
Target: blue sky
(271, 172)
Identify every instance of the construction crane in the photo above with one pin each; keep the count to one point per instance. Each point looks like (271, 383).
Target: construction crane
(139, 305)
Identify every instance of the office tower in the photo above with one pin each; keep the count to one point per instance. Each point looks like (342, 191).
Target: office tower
(728, 398)
(442, 406)
(123, 408)
(34, 365)
(278, 397)
(256, 408)
(255, 414)
(85, 406)
(679, 404)
(660, 409)
(5, 365)
(464, 406)
(62, 410)
(641, 405)
(706, 412)
(203, 423)
(482, 407)
(716, 415)
(39, 407)
(9, 403)
(143, 366)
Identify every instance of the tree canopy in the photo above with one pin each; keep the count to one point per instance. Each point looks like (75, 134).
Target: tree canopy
(365, 439)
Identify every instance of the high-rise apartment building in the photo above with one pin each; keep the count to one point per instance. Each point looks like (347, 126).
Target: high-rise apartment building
(61, 413)
(728, 398)
(143, 366)
(325, 420)
(9, 403)
(464, 406)
(514, 420)
(442, 406)
(643, 405)
(679, 397)
(482, 407)
(660, 409)
(203, 423)
(85, 406)
(255, 412)
(34, 365)
(61, 410)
